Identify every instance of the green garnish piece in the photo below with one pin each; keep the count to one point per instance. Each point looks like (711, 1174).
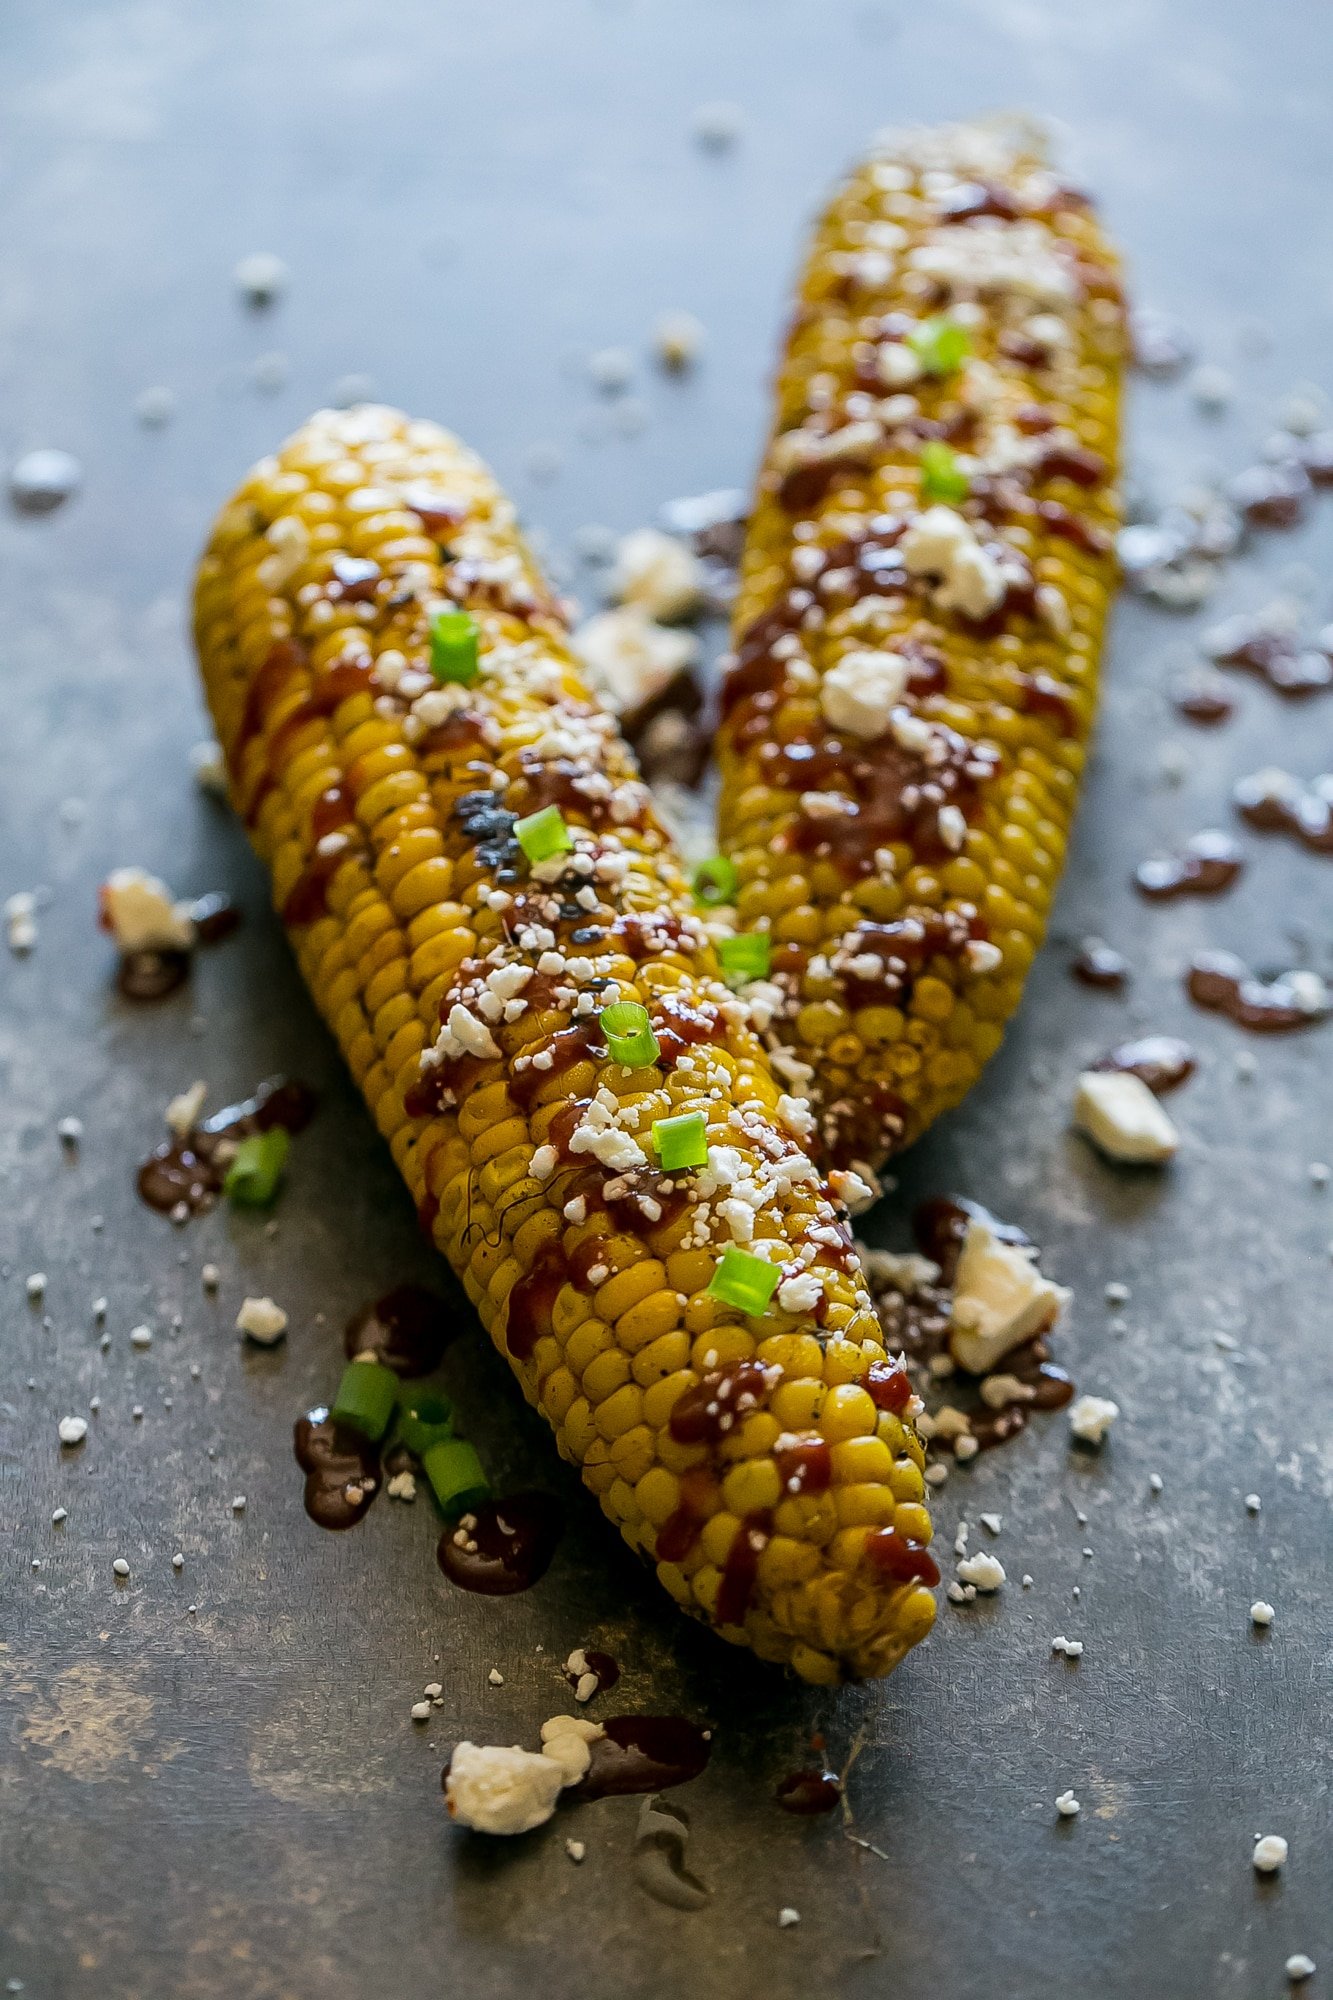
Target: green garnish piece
(543, 834)
(453, 647)
(456, 1476)
(715, 882)
(941, 345)
(681, 1142)
(942, 478)
(424, 1421)
(629, 1034)
(747, 955)
(744, 1281)
(256, 1168)
(367, 1398)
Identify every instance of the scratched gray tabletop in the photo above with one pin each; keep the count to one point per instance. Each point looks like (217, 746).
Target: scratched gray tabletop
(211, 1784)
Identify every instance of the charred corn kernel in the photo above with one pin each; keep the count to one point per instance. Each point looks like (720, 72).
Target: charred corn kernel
(466, 978)
(914, 675)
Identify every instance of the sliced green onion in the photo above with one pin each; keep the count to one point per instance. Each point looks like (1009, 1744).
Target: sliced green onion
(424, 1421)
(747, 955)
(715, 882)
(456, 1477)
(256, 1168)
(629, 1034)
(453, 647)
(367, 1398)
(681, 1142)
(942, 478)
(744, 1281)
(941, 345)
(543, 834)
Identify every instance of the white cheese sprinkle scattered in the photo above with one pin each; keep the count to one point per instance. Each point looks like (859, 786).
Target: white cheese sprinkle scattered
(1118, 1112)
(262, 1321)
(1299, 1966)
(120, 1567)
(1091, 1417)
(1000, 1300)
(141, 1336)
(1261, 1614)
(1270, 1853)
(72, 1430)
(1068, 1806)
(984, 1571)
(787, 1917)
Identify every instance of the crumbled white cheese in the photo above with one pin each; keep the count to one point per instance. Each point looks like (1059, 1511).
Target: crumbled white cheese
(1013, 257)
(210, 769)
(138, 911)
(141, 1336)
(72, 1430)
(1270, 1853)
(1121, 1116)
(70, 1131)
(261, 1321)
(544, 1162)
(598, 1133)
(858, 693)
(1299, 1966)
(472, 1035)
(567, 1741)
(629, 659)
(658, 574)
(402, 1486)
(1091, 1417)
(983, 1572)
(942, 544)
(677, 340)
(801, 1293)
(852, 1189)
(421, 1711)
(36, 1286)
(1071, 1648)
(260, 278)
(1261, 1614)
(1068, 1806)
(501, 1791)
(787, 1916)
(1000, 1299)
(20, 915)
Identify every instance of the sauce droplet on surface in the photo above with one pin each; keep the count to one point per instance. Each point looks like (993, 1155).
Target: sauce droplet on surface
(643, 1753)
(1224, 984)
(1208, 863)
(504, 1547)
(1163, 1062)
(809, 1792)
(1100, 965)
(341, 1468)
(407, 1329)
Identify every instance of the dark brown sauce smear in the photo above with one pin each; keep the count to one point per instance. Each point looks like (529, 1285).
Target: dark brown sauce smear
(152, 975)
(740, 1571)
(1208, 864)
(511, 1545)
(940, 1224)
(604, 1669)
(1163, 1062)
(1100, 966)
(712, 1406)
(1224, 984)
(1207, 706)
(1275, 656)
(643, 1753)
(190, 1170)
(1271, 496)
(408, 1330)
(342, 1470)
(809, 1792)
(1306, 816)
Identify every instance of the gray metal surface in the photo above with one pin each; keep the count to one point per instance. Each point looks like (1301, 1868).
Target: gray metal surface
(235, 1802)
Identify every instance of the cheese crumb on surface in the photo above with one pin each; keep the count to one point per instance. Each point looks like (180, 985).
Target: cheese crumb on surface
(678, 339)
(72, 1430)
(1119, 1113)
(1261, 1614)
(1000, 1300)
(787, 1916)
(402, 1486)
(576, 1849)
(421, 1711)
(1068, 1806)
(141, 1336)
(184, 1109)
(1299, 1966)
(658, 574)
(1071, 1648)
(1091, 1417)
(567, 1741)
(20, 915)
(121, 1568)
(983, 1571)
(629, 658)
(500, 1791)
(1270, 1853)
(139, 912)
(261, 1320)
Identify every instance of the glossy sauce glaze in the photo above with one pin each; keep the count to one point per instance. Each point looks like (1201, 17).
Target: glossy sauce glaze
(342, 1469)
(1307, 816)
(191, 1169)
(1208, 864)
(1100, 965)
(152, 975)
(1275, 654)
(504, 1547)
(1224, 984)
(808, 1792)
(407, 1330)
(643, 1753)
(1163, 1062)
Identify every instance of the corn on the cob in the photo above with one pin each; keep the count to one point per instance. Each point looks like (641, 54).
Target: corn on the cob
(766, 1462)
(919, 618)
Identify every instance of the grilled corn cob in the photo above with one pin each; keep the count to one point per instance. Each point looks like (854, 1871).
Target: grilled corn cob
(917, 629)
(383, 750)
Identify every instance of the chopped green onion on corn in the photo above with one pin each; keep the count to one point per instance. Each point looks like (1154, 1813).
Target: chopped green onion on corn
(747, 955)
(543, 834)
(453, 647)
(715, 882)
(424, 1421)
(681, 1142)
(629, 1034)
(744, 1281)
(942, 478)
(940, 344)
